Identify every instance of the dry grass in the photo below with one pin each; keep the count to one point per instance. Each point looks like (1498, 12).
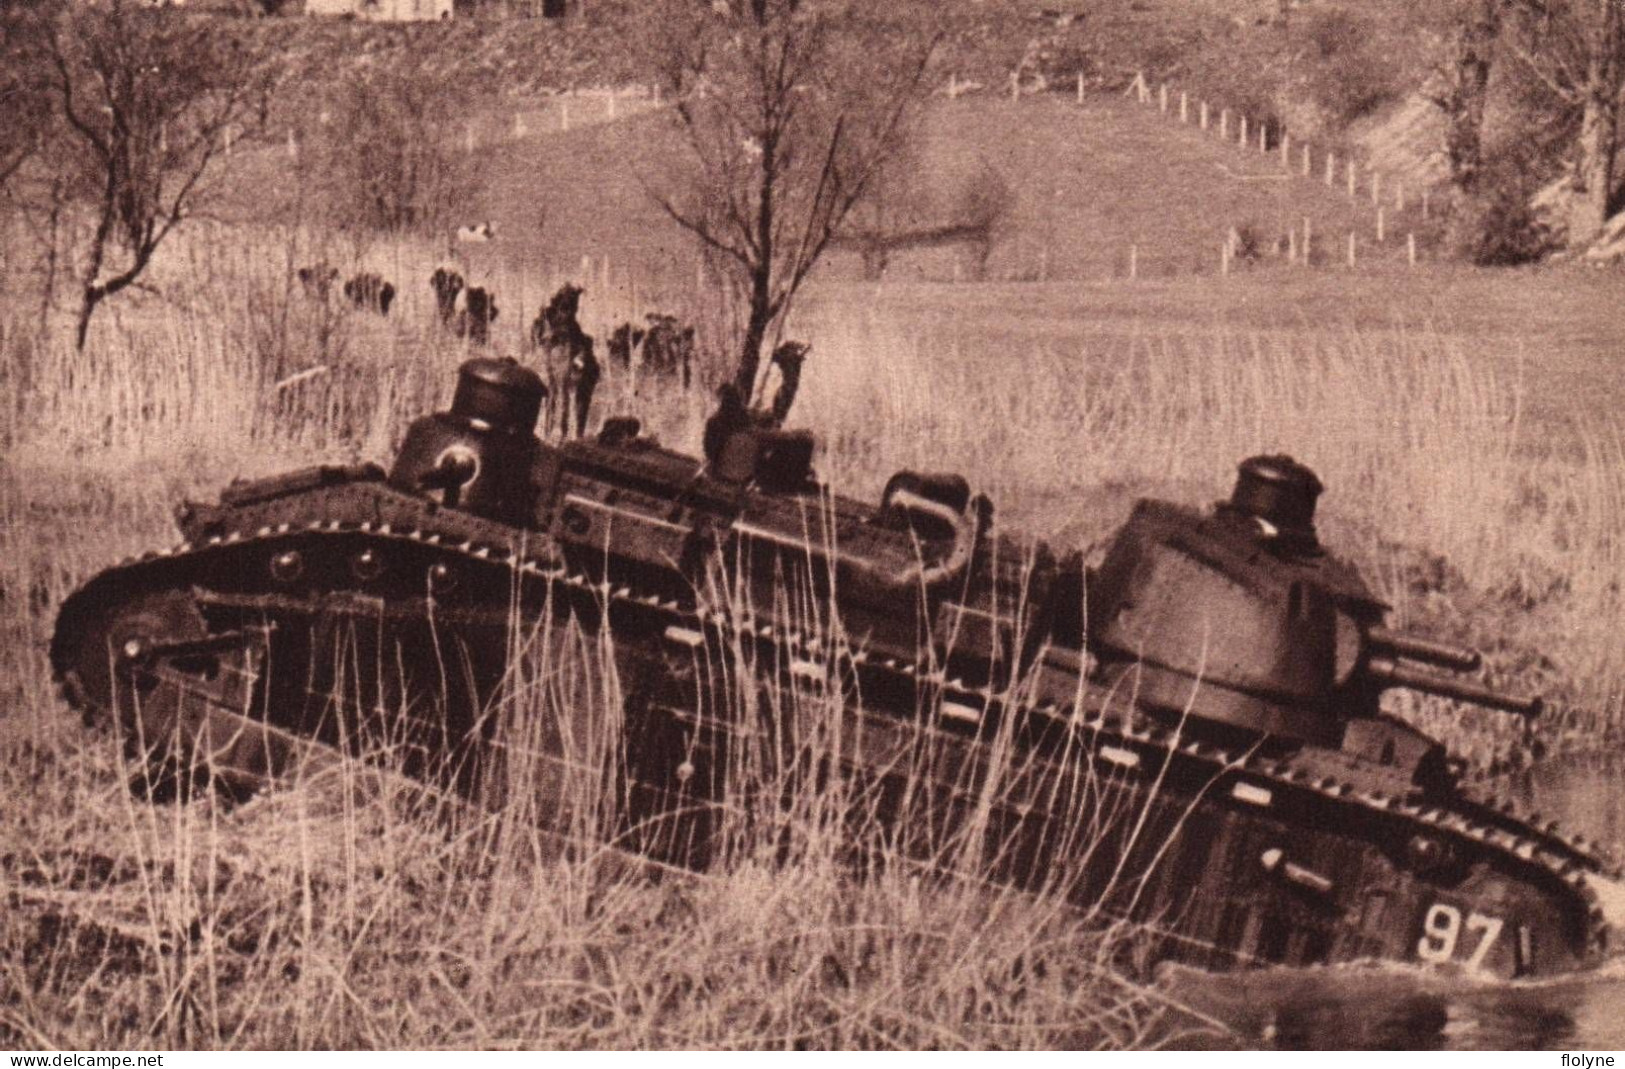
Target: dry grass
(358, 911)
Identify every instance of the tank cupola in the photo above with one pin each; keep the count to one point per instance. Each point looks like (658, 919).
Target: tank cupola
(501, 394)
(1281, 493)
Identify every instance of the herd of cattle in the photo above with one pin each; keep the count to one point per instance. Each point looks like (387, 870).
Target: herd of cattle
(661, 349)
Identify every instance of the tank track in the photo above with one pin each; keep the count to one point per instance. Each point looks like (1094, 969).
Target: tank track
(1484, 826)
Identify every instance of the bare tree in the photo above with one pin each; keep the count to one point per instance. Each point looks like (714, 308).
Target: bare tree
(916, 205)
(138, 106)
(390, 155)
(790, 108)
(1576, 49)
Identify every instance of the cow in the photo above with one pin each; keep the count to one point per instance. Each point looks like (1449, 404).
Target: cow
(624, 341)
(317, 280)
(370, 292)
(476, 233)
(447, 284)
(567, 353)
(475, 311)
(668, 348)
(664, 348)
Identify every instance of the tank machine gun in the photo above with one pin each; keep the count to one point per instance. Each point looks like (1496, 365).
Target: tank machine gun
(1217, 675)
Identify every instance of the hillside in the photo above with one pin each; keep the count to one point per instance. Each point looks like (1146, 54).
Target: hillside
(1087, 182)
(1341, 75)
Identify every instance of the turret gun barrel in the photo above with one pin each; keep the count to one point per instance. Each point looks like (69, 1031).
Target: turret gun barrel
(1438, 654)
(1391, 673)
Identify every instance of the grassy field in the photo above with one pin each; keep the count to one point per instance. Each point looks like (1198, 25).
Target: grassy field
(352, 911)
(1463, 422)
(356, 911)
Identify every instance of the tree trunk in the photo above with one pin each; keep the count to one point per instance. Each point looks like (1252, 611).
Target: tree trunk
(761, 278)
(750, 351)
(53, 234)
(1463, 103)
(94, 291)
(87, 308)
(1593, 178)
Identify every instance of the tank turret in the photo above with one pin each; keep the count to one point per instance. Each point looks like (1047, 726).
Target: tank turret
(477, 456)
(1239, 616)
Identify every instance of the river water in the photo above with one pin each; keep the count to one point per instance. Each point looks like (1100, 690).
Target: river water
(1398, 1008)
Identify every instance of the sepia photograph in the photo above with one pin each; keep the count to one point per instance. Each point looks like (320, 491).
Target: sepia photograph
(648, 525)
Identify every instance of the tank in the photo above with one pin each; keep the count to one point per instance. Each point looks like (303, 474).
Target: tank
(1204, 702)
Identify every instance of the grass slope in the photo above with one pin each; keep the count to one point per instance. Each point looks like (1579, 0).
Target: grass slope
(1088, 181)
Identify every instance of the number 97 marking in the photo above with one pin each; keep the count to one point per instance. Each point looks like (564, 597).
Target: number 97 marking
(1441, 932)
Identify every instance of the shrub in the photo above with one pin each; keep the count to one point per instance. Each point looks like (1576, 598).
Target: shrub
(1498, 225)
(1248, 242)
(1351, 70)
(383, 158)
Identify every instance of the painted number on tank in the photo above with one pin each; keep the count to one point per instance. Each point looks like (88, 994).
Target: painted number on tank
(1441, 933)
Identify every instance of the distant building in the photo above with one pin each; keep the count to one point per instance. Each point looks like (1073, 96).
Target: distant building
(383, 10)
(525, 9)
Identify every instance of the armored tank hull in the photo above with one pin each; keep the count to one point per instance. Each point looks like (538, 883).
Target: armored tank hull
(1187, 737)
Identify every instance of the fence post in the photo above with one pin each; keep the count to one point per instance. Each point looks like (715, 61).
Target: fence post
(1306, 161)
(1410, 248)
(1224, 124)
(1424, 204)
(468, 136)
(1381, 229)
(1162, 98)
(1203, 111)
(1331, 166)
(1308, 243)
(564, 113)
(1352, 187)
(1286, 151)
(293, 146)
(1399, 196)
(1224, 257)
(1080, 87)
(1292, 245)
(1133, 261)
(1241, 124)
(1264, 139)
(1184, 105)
